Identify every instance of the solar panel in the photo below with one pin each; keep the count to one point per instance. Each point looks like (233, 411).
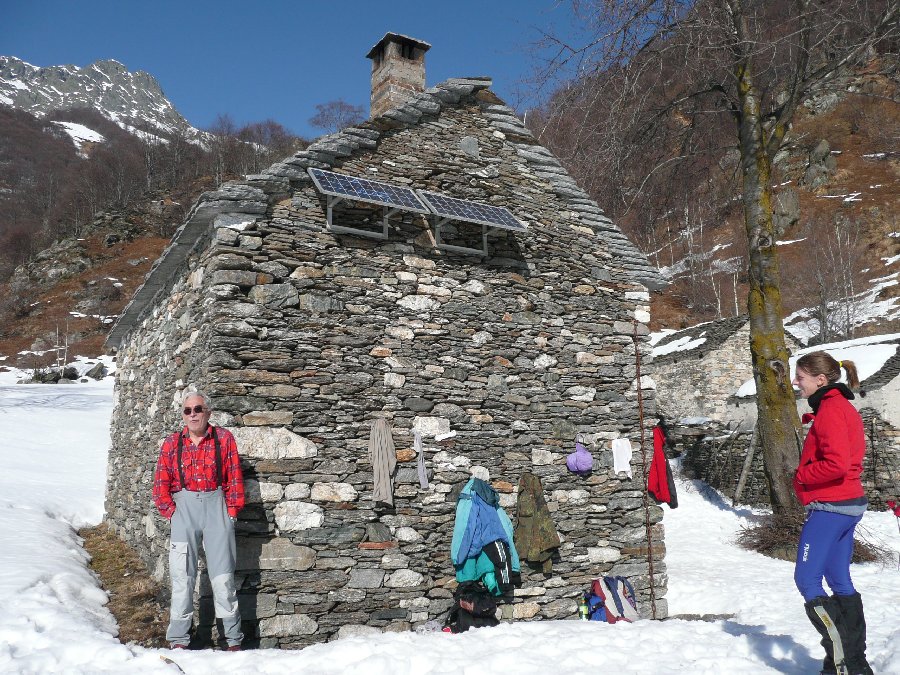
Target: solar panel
(472, 212)
(365, 190)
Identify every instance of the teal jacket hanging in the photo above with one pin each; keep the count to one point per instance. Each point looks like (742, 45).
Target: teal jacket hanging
(479, 521)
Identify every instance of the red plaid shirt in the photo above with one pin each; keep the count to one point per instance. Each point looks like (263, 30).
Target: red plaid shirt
(199, 464)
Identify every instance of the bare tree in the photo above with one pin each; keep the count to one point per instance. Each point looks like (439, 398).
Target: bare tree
(224, 147)
(177, 152)
(264, 143)
(839, 259)
(663, 84)
(336, 115)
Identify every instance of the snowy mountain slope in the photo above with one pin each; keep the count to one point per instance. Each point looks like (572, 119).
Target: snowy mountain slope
(129, 99)
(80, 135)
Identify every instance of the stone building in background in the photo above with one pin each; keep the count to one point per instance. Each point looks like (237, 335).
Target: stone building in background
(698, 370)
(305, 328)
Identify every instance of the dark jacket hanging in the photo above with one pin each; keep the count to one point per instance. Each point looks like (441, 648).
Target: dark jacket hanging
(535, 533)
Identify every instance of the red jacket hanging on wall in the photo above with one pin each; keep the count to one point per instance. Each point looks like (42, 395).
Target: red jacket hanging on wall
(660, 483)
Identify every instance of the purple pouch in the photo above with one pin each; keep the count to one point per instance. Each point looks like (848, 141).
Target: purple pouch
(580, 461)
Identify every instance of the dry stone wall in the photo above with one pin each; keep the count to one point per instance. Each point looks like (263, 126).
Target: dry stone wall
(303, 338)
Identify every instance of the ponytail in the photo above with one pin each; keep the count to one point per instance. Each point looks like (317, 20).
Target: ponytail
(852, 374)
(823, 363)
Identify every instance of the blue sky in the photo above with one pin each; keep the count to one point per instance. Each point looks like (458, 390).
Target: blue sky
(277, 59)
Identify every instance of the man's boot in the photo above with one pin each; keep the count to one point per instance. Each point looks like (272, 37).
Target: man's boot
(852, 624)
(824, 614)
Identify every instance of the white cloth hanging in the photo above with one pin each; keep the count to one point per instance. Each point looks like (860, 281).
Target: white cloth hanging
(420, 459)
(621, 448)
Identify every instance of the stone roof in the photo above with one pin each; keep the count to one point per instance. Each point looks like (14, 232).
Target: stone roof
(250, 198)
(699, 340)
(888, 372)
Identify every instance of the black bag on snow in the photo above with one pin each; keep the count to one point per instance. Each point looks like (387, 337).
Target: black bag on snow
(473, 607)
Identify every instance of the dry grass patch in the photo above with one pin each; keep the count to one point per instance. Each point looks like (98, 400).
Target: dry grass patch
(134, 598)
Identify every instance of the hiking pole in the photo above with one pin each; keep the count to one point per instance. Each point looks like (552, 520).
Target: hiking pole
(647, 526)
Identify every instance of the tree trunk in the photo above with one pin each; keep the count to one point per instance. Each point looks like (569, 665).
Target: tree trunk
(778, 423)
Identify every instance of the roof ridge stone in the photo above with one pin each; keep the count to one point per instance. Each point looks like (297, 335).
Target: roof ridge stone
(479, 81)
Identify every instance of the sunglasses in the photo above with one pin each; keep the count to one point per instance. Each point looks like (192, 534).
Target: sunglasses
(196, 409)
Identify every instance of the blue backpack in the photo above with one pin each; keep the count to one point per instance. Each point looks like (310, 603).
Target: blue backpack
(611, 599)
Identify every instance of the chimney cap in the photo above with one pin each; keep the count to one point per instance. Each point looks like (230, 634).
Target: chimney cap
(397, 37)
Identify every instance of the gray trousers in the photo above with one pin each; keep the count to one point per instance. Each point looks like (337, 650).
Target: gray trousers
(202, 516)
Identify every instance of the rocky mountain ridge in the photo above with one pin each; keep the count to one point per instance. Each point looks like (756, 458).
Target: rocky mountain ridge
(133, 100)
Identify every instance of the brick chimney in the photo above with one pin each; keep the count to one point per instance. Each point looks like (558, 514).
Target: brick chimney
(398, 71)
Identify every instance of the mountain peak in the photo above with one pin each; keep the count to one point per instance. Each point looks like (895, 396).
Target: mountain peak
(131, 99)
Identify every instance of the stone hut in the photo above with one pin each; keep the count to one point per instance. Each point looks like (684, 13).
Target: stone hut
(306, 320)
(698, 369)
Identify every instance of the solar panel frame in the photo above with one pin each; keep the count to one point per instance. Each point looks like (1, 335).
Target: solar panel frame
(367, 190)
(465, 210)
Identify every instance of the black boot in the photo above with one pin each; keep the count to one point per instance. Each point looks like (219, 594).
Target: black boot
(824, 614)
(852, 623)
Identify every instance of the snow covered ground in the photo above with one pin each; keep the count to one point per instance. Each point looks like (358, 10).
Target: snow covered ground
(80, 135)
(53, 444)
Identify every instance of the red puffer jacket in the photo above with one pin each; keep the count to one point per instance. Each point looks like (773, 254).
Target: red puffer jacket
(832, 457)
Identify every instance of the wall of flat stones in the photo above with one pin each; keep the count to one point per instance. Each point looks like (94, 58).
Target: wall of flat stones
(881, 471)
(304, 337)
(696, 386)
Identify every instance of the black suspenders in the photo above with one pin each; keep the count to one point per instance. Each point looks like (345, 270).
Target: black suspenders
(215, 436)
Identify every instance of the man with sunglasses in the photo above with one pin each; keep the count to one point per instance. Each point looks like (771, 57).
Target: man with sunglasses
(199, 487)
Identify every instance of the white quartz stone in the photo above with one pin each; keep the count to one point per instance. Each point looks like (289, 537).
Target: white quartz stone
(296, 516)
(481, 337)
(431, 426)
(404, 579)
(544, 361)
(540, 456)
(394, 380)
(407, 534)
(580, 393)
(603, 554)
(296, 491)
(287, 625)
(334, 492)
(418, 303)
(272, 443)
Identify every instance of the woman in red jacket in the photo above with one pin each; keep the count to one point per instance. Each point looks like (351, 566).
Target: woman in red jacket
(827, 483)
